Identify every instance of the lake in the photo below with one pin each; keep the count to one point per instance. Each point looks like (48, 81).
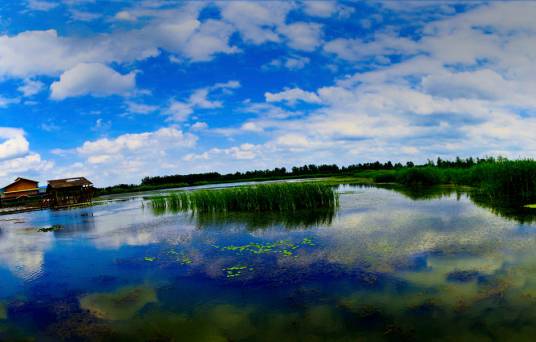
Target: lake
(388, 265)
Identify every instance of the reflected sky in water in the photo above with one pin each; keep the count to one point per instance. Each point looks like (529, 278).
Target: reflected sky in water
(388, 265)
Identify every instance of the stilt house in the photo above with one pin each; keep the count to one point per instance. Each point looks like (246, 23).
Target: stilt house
(69, 191)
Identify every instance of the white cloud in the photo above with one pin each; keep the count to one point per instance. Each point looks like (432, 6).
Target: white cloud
(83, 15)
(294, 63)
(16, 159)
(179, 111)
(125, 16)
(242, 152)
(4, 102)
(303, 36)
(261, 22)
(128, 157)
(49, 126)
(178, 31)
(233, 84)
(325, 9)
(92, 78)
(40, 5)
(199, 126)
(251, 127)
(30, 163)
(291, 63)
(199, 99)
(211, 37)
(320, 8)
(292, 96)
(140, 108)
(383, 44)
(13, 143)
(258, 21)
(31, 87)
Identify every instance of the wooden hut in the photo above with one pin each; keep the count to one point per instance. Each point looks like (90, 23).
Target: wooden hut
(20, 188)
(69, 191)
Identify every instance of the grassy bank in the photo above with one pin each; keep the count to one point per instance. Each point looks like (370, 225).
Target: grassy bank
(277, 197)
(512, 181)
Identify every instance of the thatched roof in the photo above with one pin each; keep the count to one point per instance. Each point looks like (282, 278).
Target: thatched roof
(69, 183)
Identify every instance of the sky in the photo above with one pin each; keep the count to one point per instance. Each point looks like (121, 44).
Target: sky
(119, 90)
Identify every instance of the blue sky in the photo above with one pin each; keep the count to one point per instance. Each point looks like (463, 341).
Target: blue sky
(116, 91)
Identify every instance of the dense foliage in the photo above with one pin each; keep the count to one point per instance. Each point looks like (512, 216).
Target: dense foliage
(513, 181)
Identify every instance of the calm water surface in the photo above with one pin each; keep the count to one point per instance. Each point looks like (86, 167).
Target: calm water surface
(384, 267)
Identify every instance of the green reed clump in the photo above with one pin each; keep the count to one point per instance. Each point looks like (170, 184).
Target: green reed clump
(276, 197)
(510, 179)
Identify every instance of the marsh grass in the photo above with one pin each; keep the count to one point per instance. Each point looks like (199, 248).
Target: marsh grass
(509, 181)
(275, 197)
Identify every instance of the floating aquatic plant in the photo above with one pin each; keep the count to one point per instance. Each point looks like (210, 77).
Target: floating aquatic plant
(235, 271)
(182, 258)
(284, 247)
(53, 228)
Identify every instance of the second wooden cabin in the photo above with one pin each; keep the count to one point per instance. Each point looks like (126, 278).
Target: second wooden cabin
(69, 191)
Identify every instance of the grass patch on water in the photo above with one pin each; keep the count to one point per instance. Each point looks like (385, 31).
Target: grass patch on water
(276, 197)
(53, 228)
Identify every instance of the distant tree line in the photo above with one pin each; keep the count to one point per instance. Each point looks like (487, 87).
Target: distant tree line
(310, 170)
(305, 170)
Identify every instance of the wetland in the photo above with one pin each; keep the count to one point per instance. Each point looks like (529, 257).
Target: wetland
(384, 263)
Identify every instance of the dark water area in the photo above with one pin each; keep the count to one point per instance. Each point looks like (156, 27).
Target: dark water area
(390, 264)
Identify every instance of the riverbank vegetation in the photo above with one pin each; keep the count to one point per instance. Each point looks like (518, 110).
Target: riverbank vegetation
(305, 171)
(512, 181)
(497, 179)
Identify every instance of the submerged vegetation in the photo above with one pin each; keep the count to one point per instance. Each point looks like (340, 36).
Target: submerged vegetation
(277, 197)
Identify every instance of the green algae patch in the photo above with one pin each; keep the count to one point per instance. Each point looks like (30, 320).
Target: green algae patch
(150, 259)
(185, 260)
(235, 271)
(53, 228)
(120, 305)
(286, 252)
(307, 242)
(181, 258)
(284, 247)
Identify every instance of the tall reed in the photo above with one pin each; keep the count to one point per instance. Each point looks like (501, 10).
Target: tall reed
(275, 197)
